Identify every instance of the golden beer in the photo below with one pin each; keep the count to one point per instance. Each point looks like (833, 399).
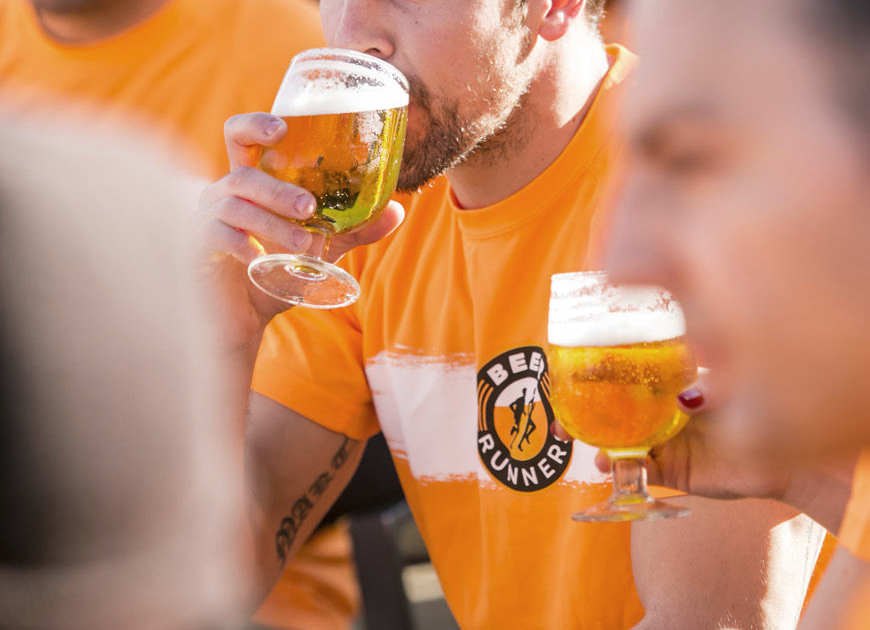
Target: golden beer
(348, 161)
(618, 359)
(621, 397)
(346, 114)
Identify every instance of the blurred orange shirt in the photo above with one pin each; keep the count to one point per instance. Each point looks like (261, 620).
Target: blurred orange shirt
(855, 537)
(181, 72)
(855, 529)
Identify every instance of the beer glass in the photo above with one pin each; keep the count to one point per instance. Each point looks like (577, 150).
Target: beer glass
(346, 115)
(618, 358)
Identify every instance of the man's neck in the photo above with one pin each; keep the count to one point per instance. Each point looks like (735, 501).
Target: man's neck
(96, 22)
(549, 115)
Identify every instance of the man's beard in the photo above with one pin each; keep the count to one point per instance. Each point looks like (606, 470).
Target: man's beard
(438, 144)
(443, 138)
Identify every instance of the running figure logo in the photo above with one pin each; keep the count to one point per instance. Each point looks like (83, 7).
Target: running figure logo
(522, 409)
(514, 417)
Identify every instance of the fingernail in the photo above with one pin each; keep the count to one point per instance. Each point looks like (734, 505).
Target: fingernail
(302, 240)
(304, 205)
(272, 126)
(553, 431)
(691, 398)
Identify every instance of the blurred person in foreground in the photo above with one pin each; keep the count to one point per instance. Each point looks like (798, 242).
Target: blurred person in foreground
(512, 145)
(117, 509)
(177, 69)
(615, 26)
(748, 198)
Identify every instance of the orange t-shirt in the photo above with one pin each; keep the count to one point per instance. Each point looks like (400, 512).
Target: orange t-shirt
(855, 530)
(182, 71)
(855, 536)
(447, 340)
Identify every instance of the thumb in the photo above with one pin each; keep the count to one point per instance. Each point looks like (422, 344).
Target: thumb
(559, 432)
(602, 461)
(245, 134)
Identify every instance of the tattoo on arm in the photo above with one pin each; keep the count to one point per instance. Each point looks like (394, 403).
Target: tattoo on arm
(341, 456)
(291, 524)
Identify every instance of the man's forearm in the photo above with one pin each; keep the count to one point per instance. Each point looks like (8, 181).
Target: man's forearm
(297, 518)
(281, 527)
(295, 469)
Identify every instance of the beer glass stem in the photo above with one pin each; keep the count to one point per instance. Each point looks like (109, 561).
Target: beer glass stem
(305, 278)
(319, 240)
(629, 481)
(630, 500)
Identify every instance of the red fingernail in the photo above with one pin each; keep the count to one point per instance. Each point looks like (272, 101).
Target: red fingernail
(691, 398)
(553, 432)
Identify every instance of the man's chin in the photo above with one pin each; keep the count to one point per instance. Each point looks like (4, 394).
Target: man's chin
(414, 176)
(429, 156)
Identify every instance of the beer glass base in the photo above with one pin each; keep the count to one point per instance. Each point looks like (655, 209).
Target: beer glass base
(303, 280)
(610, 512)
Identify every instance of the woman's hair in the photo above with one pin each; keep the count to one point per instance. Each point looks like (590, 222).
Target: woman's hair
(843, 26)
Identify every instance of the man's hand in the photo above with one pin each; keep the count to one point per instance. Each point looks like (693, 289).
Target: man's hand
(247, 202)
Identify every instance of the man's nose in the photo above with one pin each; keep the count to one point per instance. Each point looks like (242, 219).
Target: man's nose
(362, 26)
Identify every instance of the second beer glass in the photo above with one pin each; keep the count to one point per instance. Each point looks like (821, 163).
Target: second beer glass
(346, 115)
(618, 358)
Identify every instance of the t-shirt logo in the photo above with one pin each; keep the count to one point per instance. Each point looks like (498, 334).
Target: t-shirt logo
(514, 417)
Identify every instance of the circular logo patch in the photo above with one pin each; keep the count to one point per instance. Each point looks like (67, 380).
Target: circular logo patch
(514, 417)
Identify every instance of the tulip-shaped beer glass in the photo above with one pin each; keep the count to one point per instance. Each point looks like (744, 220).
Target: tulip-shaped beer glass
(618, 358)
(346, 114)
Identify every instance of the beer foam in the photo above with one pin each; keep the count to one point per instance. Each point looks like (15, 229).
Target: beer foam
(617, 329)
(309, 90)
(584, 313)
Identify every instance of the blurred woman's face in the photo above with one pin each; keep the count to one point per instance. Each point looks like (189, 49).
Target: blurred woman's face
(748, 197)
